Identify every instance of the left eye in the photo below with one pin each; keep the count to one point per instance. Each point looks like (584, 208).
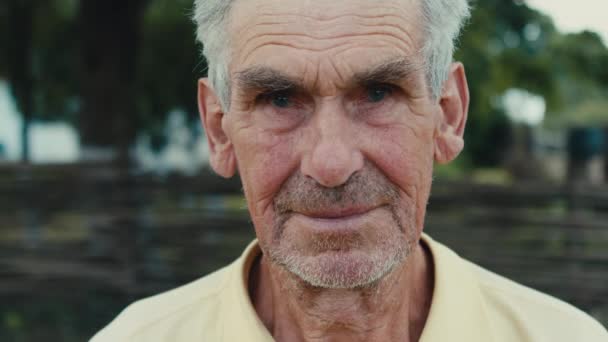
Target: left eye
(279, 99)
(378, 93)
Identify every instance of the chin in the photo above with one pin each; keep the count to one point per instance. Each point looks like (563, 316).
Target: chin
(348, 268)
(346, 252)
(345, 270)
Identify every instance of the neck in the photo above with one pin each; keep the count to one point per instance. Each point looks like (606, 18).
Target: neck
(294, 311)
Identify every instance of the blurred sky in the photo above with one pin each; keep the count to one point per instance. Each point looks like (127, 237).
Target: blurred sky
(576, 15)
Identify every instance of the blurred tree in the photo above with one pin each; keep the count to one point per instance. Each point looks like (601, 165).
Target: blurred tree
(19, 61)
(117, 68)
(508, 44)
(580, 67)
(503, 46)
(114, 68)
(39, 60)
(4, 29)
(110, 38)
(56, 60)
(169, 64)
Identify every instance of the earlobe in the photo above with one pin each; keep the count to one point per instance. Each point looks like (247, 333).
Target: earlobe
(221, 151)
(454, 103)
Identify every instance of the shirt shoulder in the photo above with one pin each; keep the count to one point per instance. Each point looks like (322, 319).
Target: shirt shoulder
(190, 310)
(519, 313)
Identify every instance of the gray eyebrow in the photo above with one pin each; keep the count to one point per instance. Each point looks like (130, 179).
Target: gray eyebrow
(267, 79)
(264, 78)
(389, 71)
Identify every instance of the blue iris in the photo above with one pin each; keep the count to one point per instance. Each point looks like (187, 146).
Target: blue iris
(378, 93)
(280, 101)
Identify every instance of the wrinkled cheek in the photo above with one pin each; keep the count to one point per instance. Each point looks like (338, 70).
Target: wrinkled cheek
(408, 162)
(265, 162)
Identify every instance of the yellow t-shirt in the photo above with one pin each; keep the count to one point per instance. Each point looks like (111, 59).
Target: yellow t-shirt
(469, 304)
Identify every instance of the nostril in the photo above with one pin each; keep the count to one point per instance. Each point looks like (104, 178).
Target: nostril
(332, 163)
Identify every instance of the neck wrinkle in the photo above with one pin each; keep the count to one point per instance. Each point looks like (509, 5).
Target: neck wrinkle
(292, 311)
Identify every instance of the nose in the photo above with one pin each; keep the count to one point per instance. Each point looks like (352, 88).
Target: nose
(334, 154)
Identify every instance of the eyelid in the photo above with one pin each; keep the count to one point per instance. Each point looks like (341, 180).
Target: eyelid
(268, 93)
(273, 91)
(391, 88)
(388, 85)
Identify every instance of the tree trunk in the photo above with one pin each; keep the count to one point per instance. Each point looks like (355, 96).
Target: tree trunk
(20, 64)
(110, 38)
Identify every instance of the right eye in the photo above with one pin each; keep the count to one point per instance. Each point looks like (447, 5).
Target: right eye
(279, 99)
(378, 93)
(283, 109)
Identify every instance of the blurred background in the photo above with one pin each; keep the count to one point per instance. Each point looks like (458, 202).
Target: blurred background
(106, 196)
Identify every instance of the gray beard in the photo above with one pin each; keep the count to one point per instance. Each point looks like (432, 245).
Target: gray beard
(331, 268)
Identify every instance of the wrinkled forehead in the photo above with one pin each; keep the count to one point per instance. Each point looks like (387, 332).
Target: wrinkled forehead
(322, 9)
(282, 31)
(323, 22)
(324, 18)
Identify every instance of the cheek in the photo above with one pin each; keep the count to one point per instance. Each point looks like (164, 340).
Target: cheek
(265, 160)
(407, 159)
(405, 153)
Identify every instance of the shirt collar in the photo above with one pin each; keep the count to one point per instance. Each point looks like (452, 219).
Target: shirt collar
(457, 310)
(240, 320)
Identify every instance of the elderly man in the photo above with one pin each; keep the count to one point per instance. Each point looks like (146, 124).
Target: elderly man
(333, 113)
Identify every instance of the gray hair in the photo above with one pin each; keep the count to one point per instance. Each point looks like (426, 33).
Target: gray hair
(444, 20)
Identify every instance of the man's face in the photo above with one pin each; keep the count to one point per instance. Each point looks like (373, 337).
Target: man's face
(333, 129)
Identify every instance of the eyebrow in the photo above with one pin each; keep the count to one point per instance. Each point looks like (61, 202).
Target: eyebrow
(264, 78)
(390, 71)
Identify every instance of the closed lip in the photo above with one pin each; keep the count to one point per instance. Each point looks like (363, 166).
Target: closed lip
(338, 213)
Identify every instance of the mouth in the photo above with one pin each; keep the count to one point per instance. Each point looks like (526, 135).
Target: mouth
(335, 220)
(338, 213)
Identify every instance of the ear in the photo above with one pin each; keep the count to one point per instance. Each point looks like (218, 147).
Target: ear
(221, 151)
(454, 104)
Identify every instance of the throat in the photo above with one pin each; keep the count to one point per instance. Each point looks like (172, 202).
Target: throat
(393, 309)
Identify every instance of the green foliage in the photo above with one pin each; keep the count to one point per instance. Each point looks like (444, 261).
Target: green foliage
(497, 56)
(54, 55)
(4, 38)
(582, 55)
(580, 61)
(168, 63)
(505, 45)
(592, 112)
(508, 44)
(56, 60)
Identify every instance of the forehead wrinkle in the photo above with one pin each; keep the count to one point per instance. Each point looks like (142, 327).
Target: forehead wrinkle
(269, 24)
(252, 39)
(316, 67)
(314, 21)
(344, 72)
(324, 14)
(334, 32)
(261, 41)
(267, 78)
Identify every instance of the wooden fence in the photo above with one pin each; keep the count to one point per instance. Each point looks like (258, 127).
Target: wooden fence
(86, 239)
